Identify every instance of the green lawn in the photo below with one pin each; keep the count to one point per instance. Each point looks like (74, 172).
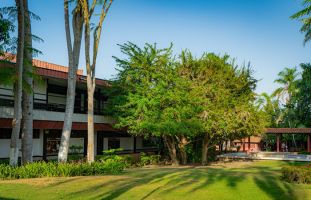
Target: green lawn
(238, 180)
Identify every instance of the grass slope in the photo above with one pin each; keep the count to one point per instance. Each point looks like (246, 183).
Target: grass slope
(239, 180)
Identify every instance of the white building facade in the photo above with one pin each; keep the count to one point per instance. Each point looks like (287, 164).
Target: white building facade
(49, 107)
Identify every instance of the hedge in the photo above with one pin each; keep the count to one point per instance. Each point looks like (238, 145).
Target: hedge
(297, 174)
(54, 169)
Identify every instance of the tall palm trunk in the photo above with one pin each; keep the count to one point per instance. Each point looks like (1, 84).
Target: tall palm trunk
(27, 130)
(16, 123)
(90, 119)
(90, 68)
(73, 57)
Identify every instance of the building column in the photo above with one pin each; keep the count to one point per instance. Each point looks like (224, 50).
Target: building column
(249, 143)
(309, 142)
(277, 143)
(243, 144)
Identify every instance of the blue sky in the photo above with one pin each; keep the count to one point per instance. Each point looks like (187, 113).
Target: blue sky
(256, 31)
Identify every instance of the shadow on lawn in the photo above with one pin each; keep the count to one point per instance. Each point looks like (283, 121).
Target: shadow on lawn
(168, 180)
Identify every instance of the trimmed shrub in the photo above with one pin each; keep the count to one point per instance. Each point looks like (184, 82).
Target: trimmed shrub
(297, 174)
(54, 169)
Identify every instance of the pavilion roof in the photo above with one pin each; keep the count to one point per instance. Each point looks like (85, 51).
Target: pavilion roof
(288, 130)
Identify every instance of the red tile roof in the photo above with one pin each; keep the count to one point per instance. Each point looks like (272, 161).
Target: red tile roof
(51, 70)
(288, 130)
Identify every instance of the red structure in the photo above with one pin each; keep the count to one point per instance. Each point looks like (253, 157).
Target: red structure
(254, 143)
(279, 131)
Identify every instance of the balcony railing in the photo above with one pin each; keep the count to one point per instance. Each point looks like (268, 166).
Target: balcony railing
(7, 100)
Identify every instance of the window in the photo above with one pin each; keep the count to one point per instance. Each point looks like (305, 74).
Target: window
(150, 142)
(5, 133)
(113, 143)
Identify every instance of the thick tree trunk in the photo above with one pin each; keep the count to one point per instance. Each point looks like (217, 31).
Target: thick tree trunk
(182, 142)
(90, 120)
(16, 123)
(205, 145)
(170, 144)
(27, 130)
(73, 57)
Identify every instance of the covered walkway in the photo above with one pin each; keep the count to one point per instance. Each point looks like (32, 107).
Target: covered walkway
(278, 132)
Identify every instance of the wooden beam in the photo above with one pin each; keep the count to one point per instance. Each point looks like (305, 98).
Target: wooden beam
(309, 142)
(277, 143)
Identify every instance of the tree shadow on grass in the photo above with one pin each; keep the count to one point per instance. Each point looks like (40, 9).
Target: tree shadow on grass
(191, 180)
(6, 198)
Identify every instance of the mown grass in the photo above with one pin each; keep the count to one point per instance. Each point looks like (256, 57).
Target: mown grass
(238, 180)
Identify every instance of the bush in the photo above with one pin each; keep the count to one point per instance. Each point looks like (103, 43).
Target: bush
(297, 174)
(149, 159)
(54, 169)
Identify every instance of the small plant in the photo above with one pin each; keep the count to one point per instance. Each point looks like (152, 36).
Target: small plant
(75, 153)
(149, 159)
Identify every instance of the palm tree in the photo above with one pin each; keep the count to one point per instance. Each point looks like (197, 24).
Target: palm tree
(304, 16)
(16, 123)
(73, 58)
(27, 116)
(288, 81)
(91, 64)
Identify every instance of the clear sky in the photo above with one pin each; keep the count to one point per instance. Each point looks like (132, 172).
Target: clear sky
(258, 31)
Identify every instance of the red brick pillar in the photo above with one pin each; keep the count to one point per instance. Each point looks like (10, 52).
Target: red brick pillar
(309, 142)
(277, 143)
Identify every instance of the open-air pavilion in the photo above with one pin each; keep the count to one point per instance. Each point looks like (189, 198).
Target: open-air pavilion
(280, 132)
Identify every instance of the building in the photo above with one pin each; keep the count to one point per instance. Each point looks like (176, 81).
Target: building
(278, 142)
(49, 108)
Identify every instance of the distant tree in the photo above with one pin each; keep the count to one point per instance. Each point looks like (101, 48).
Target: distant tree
(73, 58)
(304, 16)
(7, 28)
(303, 97)
(270, 105)
(287, 78)
(88, 13)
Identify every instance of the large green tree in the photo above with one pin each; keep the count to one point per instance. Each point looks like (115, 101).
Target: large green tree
(151, 99)
(226, 95)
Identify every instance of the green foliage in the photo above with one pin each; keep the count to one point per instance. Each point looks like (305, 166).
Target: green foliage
(303, 97)
(54, 169)
(149, 159)
(75, 153)
(110, 156)
(157, 95)
(149, 97)
(304, 16)
(225, 96)
(297, 174)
